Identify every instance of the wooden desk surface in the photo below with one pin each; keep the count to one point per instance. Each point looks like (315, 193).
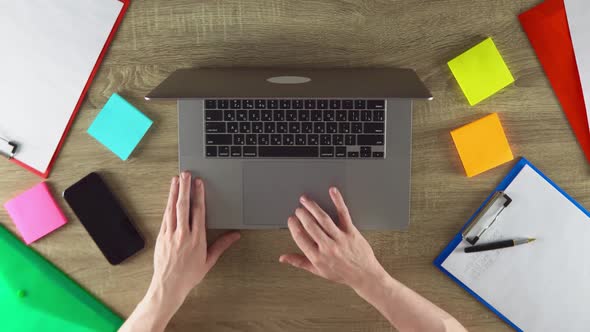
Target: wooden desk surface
(248, 290)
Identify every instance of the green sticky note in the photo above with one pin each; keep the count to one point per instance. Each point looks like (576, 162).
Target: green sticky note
(36, 296)
(481, 71)
(119, 126)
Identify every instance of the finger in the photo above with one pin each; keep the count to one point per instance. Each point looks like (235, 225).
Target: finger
(183, 203)
(312, 227)
(341, 208)
(198, 209)
(298, 261)
(301, 237)
(322, 218)
(169, 222)
(220, 246)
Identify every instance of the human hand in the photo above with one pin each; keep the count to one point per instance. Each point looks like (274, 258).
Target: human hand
(182, 258)
(337, 252)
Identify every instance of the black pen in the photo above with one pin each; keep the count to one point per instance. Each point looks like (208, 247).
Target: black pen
(498, 245)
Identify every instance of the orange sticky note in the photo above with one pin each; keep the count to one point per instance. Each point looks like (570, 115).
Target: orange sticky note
(482, 145)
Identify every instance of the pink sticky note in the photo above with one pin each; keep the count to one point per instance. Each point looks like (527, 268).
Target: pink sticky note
(35, 213)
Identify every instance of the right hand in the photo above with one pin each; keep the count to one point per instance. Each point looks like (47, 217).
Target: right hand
(337, 252)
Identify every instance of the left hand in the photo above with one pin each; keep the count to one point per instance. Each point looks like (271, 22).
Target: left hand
(182, 258)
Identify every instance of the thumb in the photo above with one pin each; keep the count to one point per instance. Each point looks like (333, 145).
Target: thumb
(220, 246)
(299, 261)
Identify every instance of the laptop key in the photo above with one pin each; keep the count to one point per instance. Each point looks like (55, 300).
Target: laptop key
(294, 127)
(245, 127)
(288, 151)
(211, 151)
(223, 104)
(279, 115)
(340, 152)
(251, 139)
(242, 115)
(307, 127)
(239, 139)
(350, 139)
(250, 151)
(263, 139)
(325, 139)
(316, 115)
(218, 139)
(360, 104)
(327, 152)
(376, 104)
(248, 104)
(378, 154)
(373, 127)
(303, 115)
(366, 115)
(210, 104)
(233, 127)
(266, 115)
(269, 127)
(341, 116)
(254, 115)
(229, 115)
(213, 115)
(344, 127)
(332, 127)
(285, 104)
(223, 151)
(353, 154)
(338, 139)
(323, 104)
(272, 104)
(378, 115)
(260, 103)
(310, 104)
(215, 127)
(329, 115)
(347, 104)
(282, 128)
(353, 116)
(288, 139)
(357, 128)
(235, 103)
(236, 151)
(257, 127)
(365, 152)
(313, 139)
(275, 139)
(319, 127)
(300, 140)
(297, 104)
(335, 104)
(291, 115)
(370, 139)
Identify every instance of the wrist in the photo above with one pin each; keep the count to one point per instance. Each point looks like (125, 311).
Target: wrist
(374, 284)
(161, 304)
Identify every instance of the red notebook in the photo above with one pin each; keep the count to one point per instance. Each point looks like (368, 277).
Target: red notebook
(49, 11)
(547, 28)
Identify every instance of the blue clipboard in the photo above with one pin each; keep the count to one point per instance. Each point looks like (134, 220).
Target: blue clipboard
(438, 261)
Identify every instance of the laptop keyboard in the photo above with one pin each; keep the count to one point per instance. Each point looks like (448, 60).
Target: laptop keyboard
(295, 128)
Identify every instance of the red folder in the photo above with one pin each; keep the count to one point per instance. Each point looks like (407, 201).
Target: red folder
(81, 99)
(547, 29)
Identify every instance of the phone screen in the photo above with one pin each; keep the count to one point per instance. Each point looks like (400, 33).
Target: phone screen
(104, 219)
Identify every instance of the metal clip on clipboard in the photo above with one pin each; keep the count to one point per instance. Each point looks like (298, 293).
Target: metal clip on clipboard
(7, 148)
(486, 217)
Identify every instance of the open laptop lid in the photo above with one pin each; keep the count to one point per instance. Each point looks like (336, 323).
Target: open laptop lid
(304, 83)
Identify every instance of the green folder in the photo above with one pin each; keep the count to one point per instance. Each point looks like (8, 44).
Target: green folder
(36, 296)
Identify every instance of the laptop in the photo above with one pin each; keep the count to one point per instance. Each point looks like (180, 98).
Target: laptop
(260, 138)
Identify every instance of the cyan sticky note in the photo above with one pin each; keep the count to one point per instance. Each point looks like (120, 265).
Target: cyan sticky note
(481, 71)
(35, 213)
(119, 126)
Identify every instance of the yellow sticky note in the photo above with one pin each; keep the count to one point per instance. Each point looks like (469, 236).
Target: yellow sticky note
(482, 145)
(481, 71)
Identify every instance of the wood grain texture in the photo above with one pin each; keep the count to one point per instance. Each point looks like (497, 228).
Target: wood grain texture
(248, 290)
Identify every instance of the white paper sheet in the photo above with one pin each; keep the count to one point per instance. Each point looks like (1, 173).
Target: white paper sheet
(578, 16)
(543, 285)
(49, 49)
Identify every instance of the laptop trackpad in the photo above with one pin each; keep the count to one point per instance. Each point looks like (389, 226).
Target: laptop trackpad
(272, 188)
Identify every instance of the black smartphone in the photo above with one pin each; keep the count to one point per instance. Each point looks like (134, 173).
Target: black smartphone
(104, 219)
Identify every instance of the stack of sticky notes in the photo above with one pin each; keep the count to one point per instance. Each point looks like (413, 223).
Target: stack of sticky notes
(119, 126)
(481, 71)
(482, 145)
(35, 213)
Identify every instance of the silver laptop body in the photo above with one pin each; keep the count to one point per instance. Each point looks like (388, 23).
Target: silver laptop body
(260, 187)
